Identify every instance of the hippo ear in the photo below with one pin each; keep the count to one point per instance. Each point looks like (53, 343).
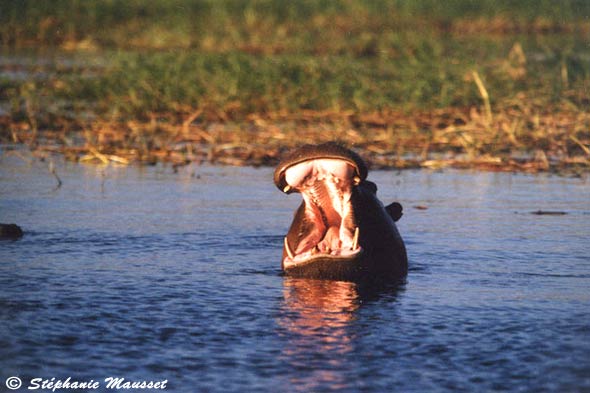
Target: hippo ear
(395, 210)
(370, 185)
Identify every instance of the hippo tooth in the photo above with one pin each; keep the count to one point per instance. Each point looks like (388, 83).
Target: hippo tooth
(355, 239)
(287, 189)
(289, 252)
(356, 180)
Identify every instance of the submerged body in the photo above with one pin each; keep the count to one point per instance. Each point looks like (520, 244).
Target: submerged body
(341, 230)
(10, 231)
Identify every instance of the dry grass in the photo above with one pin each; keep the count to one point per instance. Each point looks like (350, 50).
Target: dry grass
(516, 139)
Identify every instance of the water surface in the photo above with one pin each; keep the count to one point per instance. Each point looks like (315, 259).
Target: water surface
(145, 274)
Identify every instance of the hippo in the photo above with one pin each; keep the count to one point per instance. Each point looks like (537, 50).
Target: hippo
(10, 231)
(341, 231)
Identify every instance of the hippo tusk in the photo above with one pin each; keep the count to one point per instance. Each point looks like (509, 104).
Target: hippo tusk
(355, 239)
(289, 252)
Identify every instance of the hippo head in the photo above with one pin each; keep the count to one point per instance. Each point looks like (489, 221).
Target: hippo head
(325, 226)
(341, 229)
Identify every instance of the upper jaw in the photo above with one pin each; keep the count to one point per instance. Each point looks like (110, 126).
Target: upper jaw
(326, 186)
(330, 150)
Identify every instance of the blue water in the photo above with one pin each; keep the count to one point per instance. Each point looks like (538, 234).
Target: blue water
(144, 274)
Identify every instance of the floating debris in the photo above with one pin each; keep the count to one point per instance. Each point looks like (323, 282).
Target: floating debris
(549, 213)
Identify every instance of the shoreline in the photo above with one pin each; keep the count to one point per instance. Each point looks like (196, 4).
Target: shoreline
(260, 143)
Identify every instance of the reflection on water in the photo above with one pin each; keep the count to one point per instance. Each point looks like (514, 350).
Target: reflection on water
(317, 317)
(316, 321)
(319, 303)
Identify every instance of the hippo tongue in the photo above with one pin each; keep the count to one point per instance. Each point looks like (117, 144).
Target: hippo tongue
(326, 187)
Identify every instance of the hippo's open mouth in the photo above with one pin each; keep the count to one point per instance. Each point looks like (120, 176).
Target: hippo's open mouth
(341, 230)
(328, 228)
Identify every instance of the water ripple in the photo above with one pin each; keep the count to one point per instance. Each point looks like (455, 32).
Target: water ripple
(495, 301)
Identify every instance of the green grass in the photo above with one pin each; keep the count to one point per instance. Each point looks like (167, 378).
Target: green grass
(432, 74)
(120, 61)
(270, 25)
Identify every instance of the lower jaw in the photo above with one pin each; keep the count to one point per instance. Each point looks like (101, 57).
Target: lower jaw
(315, 253)
(299, 262)
(327, 267)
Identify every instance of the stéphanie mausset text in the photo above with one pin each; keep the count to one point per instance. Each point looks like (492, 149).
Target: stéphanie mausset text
(109, 383)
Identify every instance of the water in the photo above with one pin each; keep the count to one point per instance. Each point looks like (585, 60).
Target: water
(143, 274)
